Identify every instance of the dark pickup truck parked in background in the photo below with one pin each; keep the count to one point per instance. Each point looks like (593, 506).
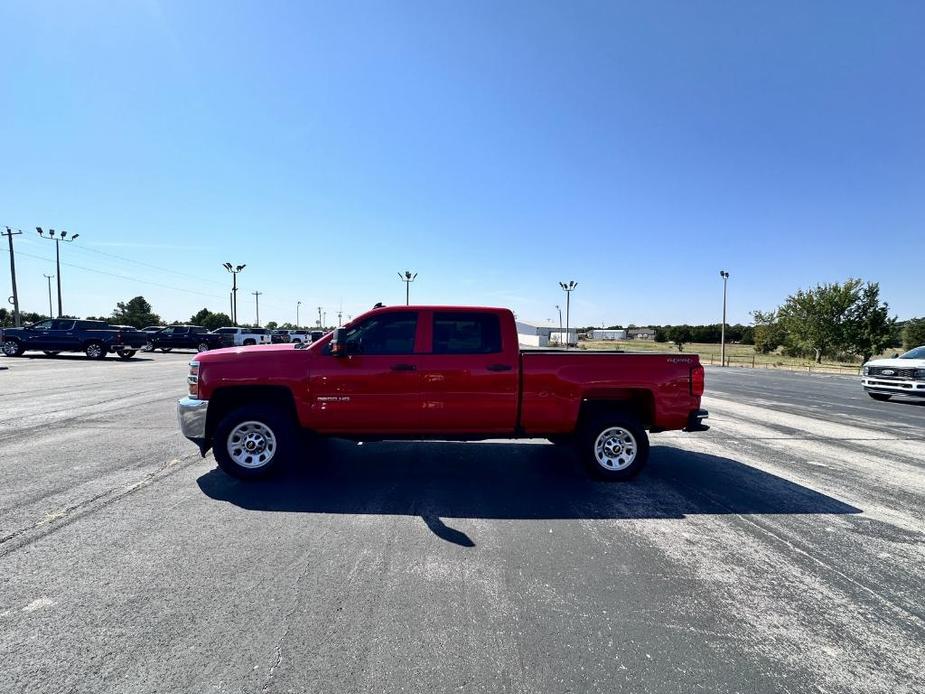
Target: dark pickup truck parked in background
(183, 337)
(96, 339)
(417, 372)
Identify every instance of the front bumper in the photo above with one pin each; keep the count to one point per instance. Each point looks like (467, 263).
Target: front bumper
(893, 386)
(191, 414)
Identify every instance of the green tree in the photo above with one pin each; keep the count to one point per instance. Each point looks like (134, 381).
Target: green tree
(680, 335)
(914, 333)
(869, 329)
(272, 325)
(816, 319)
(209, 320)
(768, 333)
(135, 312)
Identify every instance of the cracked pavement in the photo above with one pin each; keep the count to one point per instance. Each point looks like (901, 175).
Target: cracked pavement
(781, 551)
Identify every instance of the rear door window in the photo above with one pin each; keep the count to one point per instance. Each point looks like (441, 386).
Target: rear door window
(466, 333)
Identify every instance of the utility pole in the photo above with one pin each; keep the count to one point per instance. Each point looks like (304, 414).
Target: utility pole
(57, 239)
(234, 270)
(319, 318)
(49, 278)
(297, 304)
(722, 334)
(17, 321)
(559, 309)
(257, 300)
(568, 289)
(407, 278)
(340, 316)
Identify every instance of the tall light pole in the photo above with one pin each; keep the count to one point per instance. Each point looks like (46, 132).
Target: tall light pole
(234, 270)
(57, 239)
(559, 309)
(9, 237)
(49, 278)
(568, 289)
(407, 278)
(319, 317)
(257, 300)
(722, 334)
(297, 305)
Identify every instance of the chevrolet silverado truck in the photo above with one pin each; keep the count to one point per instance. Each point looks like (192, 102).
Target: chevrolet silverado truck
(94, 338)
(183, 337)
(903, 375)
(432, 372)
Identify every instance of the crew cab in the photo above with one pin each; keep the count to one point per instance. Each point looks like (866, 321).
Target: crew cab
(94, 338)
(243, 337)
(183, 337)
(902, 375)
(451, 373)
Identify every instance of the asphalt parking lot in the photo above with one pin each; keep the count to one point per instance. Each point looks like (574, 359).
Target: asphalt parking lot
(782, 551)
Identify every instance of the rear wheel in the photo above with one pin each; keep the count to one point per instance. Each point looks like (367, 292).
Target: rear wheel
(203, 347)
(95, 350)
(882, 397)
(126, 353)
(13, 348)
(149, 347)
(614, 446)
(254, 440)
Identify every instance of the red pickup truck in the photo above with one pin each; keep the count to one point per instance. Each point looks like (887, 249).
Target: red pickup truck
(435, 372)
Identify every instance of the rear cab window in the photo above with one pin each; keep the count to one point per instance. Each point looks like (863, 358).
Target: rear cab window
(466, 332)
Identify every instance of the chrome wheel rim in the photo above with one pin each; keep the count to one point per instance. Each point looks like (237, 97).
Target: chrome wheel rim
(94, 351)
(9, 348)
(203, 347)
(252, 444)
(149, 347)
(615, 448)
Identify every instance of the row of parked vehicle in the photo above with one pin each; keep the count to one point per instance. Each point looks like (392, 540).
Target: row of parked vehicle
(96, 339)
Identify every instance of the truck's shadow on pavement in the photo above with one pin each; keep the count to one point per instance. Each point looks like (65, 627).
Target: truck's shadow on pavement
(510, 480)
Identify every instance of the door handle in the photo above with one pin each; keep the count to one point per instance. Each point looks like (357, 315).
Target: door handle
(499, 367)
(403, 367)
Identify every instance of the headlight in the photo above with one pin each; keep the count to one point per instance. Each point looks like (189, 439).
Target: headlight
(866, 371)
(192, 380)
(920, 374)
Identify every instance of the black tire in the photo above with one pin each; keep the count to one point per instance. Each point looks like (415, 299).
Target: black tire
(95, 350)
(126, 353)
(203, 347)
(13, 348)
(271, 417)
(882, 397)
(249, 343)
(166, 349)
(51, 352)
(623, 451)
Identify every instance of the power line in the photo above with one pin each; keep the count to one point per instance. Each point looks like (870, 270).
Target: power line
(153, 267)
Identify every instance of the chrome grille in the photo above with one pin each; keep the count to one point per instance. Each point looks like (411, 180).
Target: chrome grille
(893, 372)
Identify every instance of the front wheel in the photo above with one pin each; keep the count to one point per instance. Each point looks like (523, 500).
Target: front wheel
(95, 350)
(614, 446)
(126, 353)
(203, 347)
(882, 397)
(254, 440)
(13, 348)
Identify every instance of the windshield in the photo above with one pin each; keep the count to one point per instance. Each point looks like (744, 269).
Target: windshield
(917, 353)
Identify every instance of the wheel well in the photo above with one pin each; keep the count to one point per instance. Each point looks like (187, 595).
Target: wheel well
(224, 400)
(639, 403)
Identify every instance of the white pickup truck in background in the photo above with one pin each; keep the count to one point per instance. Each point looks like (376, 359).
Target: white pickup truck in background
(243, 337)
(904, 375)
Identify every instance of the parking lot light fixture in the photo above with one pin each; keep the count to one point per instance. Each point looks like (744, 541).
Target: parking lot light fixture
(568, 288)
(234, 270)
(62, 237)
(722, 333)
(407, 278)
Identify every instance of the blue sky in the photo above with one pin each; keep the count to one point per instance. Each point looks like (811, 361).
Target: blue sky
(493, 147)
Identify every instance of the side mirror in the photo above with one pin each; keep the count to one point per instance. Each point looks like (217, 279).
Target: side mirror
(338, 345)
